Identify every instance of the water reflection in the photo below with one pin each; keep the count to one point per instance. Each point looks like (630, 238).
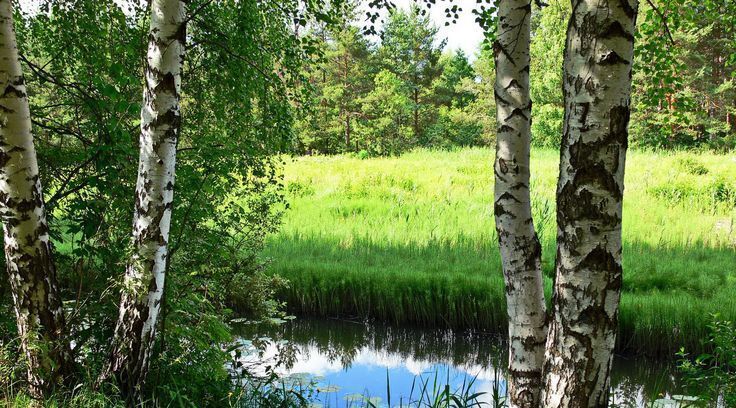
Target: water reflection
(346, 358)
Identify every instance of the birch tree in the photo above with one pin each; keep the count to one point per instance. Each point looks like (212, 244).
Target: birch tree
(160, 125)
(518, 241)
(597, 87)
(38, 306)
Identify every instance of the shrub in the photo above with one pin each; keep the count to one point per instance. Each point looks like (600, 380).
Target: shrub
(254, 294)
(691, 166)
(547, 125)
(722, 192)
(300, 188)
(455, 127)
(712, 376)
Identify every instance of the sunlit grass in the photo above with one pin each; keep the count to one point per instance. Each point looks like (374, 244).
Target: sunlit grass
(411, 239)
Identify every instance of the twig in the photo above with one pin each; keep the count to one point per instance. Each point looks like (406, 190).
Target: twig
(664, 21)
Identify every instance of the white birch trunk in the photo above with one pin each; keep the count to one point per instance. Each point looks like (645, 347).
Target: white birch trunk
(27, 248)
(518, 242)
(160, 125)
(597, 87)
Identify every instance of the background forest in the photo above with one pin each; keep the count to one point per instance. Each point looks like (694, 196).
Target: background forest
(384, 95)
(315, 156)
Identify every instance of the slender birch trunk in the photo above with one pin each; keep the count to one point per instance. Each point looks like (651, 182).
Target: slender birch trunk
(27, 248)
(518, 241)
(160, 124)
(597, 87)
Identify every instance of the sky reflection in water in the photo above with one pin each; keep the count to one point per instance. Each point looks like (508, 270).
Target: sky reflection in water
(347, 359)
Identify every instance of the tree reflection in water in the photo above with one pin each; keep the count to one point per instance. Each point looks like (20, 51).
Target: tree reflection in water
(346, 357)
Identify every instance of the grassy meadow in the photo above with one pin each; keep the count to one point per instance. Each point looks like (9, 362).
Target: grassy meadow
(411, 240)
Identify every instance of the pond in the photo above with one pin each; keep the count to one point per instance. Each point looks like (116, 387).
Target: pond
(350, 361)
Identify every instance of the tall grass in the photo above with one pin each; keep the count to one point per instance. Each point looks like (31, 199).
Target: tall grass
(411, 240)
(428, 390)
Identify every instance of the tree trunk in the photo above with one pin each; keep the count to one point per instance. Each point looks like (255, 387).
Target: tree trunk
(38, 307)
(415, 97)
(347, 131)
(597, 87)
(346, 86)
(520, 248)
(160, 124)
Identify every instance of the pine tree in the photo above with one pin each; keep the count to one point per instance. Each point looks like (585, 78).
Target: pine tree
(410, 50)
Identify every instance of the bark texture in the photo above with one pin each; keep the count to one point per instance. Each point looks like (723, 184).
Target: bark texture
(30, 267)
(597, 87)
(519, 245)
(160, 124)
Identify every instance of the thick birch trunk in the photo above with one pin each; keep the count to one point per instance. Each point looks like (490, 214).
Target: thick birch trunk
(597, 87)
(27, 248)
(520, 248)
(145, 272)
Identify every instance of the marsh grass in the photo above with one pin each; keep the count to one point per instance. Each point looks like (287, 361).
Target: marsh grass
(411, 240)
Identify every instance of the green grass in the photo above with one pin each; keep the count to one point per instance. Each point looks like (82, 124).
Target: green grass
(411, 240)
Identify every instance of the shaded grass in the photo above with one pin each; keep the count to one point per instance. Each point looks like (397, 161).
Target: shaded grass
(411, 240)
(396, 284)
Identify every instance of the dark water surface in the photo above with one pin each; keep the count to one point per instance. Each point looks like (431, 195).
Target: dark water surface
(348, 360)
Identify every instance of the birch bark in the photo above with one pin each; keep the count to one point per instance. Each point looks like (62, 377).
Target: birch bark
(160, 124)
(518, 242)
(38, 307)
(597, 87)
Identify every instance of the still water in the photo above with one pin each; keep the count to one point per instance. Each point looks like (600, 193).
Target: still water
(349, 361)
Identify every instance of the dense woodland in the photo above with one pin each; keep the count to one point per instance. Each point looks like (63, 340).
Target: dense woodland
(143, 146)
(403, 89)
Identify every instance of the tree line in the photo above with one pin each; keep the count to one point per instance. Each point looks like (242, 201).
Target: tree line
(385, 95)
(388, 98)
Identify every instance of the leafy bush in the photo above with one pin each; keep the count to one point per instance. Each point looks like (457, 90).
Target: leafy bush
(547, 125)
(723, 191)
(712, 376)
(254, 294)
(299, 188)
(190, 368)
(455, 127)
(692, 166)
